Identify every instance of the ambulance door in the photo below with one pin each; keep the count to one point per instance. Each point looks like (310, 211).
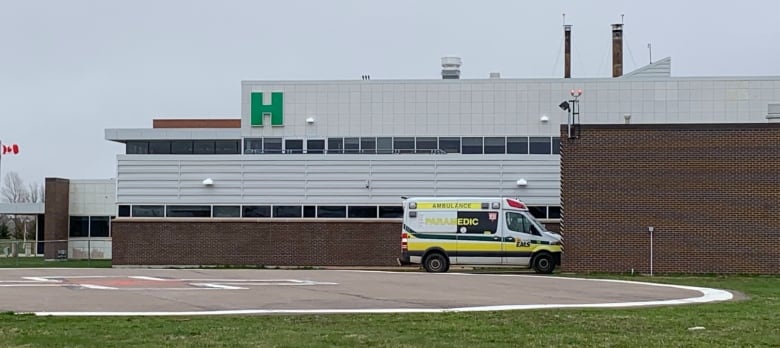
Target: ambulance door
(517, 239)
(478, 240)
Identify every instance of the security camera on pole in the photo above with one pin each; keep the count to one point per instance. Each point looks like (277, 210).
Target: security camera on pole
(12, 149)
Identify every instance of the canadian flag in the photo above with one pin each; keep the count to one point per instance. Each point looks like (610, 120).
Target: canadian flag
(12, 149)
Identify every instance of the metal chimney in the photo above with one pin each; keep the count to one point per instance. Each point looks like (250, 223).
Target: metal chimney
(567, 51)
(450, 67)
(617, 50)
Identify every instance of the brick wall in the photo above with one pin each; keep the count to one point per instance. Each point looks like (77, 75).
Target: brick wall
(55, 225)
(711, 192)
(257, 242)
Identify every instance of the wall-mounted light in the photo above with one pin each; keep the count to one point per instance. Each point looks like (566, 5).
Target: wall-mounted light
(208, 182)
(627, 117)
(522, 182)
(544, 119)
(310, 120)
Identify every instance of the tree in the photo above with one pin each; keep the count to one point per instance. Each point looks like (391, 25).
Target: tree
(13, 190)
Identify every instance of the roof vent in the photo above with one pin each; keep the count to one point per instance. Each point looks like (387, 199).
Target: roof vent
(495, 75)
(450, 67)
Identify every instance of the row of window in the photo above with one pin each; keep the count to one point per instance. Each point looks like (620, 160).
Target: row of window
(290, 211)
(365, 145)
(90, 226)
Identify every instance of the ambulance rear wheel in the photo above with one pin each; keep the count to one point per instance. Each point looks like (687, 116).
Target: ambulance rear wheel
(544, 263)
(436, 262)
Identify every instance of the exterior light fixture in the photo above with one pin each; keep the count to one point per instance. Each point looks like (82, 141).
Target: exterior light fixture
(522, 182)
(544, 119)
(310, 120)
(208, 182)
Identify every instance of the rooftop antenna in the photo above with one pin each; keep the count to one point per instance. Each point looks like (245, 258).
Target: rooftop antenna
(564, 18)
(650, 50)
(621, 18)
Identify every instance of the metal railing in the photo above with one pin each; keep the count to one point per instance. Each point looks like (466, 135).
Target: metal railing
(28, 253)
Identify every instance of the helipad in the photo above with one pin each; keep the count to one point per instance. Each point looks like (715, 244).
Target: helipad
(210, 292)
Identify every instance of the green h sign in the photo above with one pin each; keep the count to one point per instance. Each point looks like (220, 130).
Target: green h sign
(260, 110)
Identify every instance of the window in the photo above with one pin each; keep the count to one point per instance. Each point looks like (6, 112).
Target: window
(160, 147)
(403, 145)
(331, 211)
(98, 226)
(554, 212)
(351, 145)
(293, 146)
(226, 147)
(518, 223)
(391, 212)
(357, 211)
(426, 144)
(556, 145)
(257, 211)
(221, 211)
(472, 145)
(517, 145)
(335, 145)
(287, 211)
(538, 212)
(315, 146)
(188, 211)
(495, 145)
(272, 145)
(181, 147)
(124, 210)
(368, 145)
(540, 146)
(309, 211)
(450, 145)
(137, 147)
(251, 146)
(148, 211)
(384, 145)
(79, 226)
(203, 147)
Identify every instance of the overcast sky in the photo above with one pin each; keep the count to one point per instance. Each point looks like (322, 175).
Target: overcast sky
(70, 69)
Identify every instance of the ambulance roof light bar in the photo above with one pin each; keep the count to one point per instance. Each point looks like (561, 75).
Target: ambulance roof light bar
(516, 204)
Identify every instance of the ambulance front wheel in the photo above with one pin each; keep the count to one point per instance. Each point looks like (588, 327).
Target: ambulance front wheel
(436, 262)
(544, 263)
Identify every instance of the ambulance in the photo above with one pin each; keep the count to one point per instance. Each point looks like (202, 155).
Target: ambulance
(439, 232)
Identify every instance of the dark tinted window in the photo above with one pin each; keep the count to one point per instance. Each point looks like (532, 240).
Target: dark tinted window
(426, 144)
(124, 210)
(252, 146)
(137, 147)
(450, 145)
(272, 145)
(495, 145)
(351, 145)
(403, 144)
(556, 145)
(79, 226)
(188, 211)
(517, 145)
(391, 212)
(331, 211)
(540, 146)
(293, 146)
(257, 211)
(226, 147)
(181, 147)
(98, 226)
(472, 145)
(160, 147)
(335, 145)
(287, 211)
(148, 211)
(227, 211)
(538, 212)
(368, 145)
(309, 211)
(203, 147)
(315, 145)
(384, 145)
(357, 211)
(554, 212)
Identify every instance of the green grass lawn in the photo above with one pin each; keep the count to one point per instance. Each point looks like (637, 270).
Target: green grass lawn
(21, 261)
(753, 322)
